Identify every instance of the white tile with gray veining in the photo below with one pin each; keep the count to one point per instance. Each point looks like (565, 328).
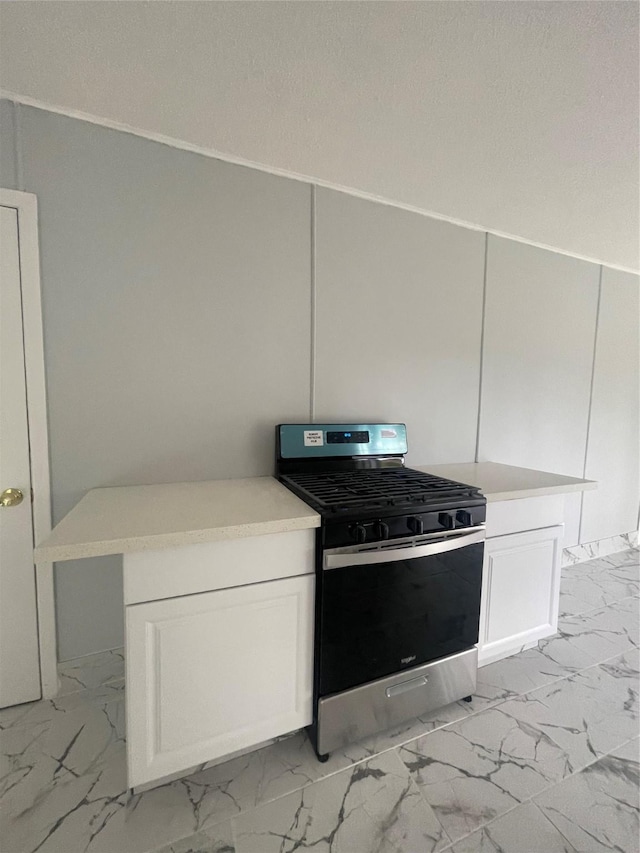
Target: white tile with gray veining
(217, 839)
(594, 636)
(523, 830)
(601, 548)
(482, 767)
(62, 777)
(598, 808)
(580, 593)
(588, 715)
(519, 674)
(627, 557)
(465, 774)
(97, 813)
(374, 805)
(91, 671)
(19, 716)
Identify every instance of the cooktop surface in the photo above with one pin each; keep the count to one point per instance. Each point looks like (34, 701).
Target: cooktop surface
(374, 488)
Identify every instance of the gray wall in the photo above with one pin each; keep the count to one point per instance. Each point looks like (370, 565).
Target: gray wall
(386, 349)
(540, 326)
(182, 297)
(8, 158)
(614, 422)
(176, 295)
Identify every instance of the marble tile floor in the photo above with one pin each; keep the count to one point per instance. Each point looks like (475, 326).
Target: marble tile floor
(91, 671)
(544, 759)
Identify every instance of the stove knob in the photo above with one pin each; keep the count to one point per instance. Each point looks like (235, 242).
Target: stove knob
(446, 520)
(358, 533)
(381, 530)
(415, 525)
(464, 518)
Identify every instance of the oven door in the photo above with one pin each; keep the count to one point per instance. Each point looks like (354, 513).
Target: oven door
(395, 605)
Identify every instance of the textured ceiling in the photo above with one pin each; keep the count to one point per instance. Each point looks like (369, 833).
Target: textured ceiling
(520, 117)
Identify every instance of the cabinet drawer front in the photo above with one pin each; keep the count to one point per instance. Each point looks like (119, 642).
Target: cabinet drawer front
(151, 575)
(505, 517)
(520, 591)
(214, 673)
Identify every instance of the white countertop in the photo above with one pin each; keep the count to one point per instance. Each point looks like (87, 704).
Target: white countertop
(142, 518)
(125, 519)
(506, 482)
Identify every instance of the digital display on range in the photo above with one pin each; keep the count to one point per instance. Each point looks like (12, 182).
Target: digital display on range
(348, 437)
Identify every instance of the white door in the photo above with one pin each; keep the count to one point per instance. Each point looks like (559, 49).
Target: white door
(217, 672)
(520, 591)
(19, 654)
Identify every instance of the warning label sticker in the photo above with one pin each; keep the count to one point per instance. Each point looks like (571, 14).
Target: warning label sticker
(313, 438)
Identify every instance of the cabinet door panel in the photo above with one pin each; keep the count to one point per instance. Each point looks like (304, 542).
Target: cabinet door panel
(520, 591)
(214, 673)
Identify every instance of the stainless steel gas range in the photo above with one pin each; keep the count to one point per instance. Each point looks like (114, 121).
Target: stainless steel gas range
(398, 578)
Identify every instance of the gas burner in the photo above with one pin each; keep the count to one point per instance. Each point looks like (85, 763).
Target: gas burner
(337, 492)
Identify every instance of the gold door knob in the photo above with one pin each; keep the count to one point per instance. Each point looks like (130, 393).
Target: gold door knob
(11, 497)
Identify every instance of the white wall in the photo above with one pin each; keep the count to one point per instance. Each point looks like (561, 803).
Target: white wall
(521, 117)
(178, 296)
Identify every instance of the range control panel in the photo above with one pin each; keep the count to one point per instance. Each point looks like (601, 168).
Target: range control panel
(363, 530)
(360, 437)
(314, 441)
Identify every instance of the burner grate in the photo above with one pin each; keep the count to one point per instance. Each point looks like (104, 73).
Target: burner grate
(374, 488)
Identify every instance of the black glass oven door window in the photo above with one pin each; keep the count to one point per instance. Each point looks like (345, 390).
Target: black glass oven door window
(381, 618)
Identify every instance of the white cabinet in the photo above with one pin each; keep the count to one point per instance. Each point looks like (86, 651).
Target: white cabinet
(204, 567)
(520, 591)
(216, 672)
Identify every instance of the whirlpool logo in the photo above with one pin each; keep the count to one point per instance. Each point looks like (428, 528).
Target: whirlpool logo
(408, 660)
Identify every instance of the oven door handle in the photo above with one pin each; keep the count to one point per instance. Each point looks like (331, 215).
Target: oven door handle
(389, 555)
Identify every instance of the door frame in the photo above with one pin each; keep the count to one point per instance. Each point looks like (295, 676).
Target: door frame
(26, 205)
